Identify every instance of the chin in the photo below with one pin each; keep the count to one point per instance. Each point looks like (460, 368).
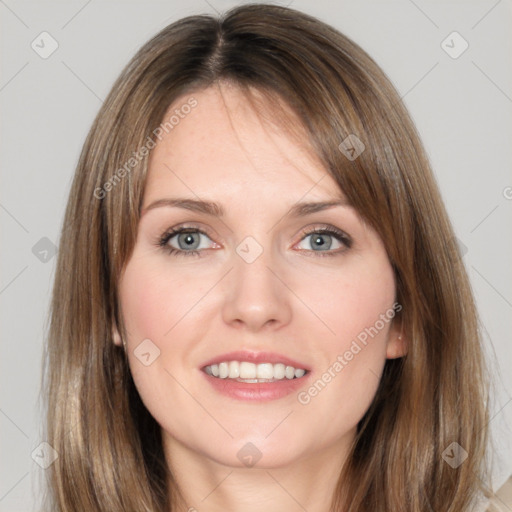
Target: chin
(258, 453)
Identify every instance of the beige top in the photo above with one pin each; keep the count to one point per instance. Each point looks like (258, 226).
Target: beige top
(502, 499)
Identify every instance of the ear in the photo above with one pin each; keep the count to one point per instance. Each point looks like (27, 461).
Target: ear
(397, 342)
(116, 337)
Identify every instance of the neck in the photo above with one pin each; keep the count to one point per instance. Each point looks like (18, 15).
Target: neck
(204, 485)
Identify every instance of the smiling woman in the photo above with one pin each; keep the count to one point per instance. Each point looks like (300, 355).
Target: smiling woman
(267, 309)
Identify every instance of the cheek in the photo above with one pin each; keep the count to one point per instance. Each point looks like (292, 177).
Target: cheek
(159, 305)
(151, 300)
(356, 312)
(351, 303)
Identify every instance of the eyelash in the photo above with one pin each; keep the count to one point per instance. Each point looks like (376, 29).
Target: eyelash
(162, 242)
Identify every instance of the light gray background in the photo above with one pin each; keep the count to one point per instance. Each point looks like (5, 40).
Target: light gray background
(462, 108)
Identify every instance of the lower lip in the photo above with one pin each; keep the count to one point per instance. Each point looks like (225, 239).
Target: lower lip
(257, 391)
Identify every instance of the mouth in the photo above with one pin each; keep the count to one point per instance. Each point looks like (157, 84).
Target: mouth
(248, 372)
(252, 376)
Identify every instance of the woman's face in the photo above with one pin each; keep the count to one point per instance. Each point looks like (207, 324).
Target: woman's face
(259, 284)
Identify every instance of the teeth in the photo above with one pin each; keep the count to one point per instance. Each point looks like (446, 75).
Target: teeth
(234, 370)
(279, 371)
(265, 371)
(289, 372)
(247, 370)
(250, 372)
(223, 370)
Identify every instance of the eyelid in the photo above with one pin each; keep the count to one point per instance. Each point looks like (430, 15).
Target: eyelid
(188, 226)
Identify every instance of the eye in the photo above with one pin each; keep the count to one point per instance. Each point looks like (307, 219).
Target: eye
(326, 240)
(184, 241)
(191, 241)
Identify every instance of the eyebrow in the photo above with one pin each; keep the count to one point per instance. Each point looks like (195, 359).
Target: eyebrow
(216, 210)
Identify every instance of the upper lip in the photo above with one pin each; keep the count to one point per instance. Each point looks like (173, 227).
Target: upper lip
(255, 357)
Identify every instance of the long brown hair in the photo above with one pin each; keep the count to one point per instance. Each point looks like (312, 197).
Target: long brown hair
(109, 446)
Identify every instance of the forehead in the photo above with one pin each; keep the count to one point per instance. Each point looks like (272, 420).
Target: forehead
(224, 146)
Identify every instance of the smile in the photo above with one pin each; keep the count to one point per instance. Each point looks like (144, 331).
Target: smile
(245, 371)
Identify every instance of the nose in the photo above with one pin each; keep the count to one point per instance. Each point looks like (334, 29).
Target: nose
(255, 294)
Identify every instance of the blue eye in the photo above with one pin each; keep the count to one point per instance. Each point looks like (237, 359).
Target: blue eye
(187, 241)
(323, 240)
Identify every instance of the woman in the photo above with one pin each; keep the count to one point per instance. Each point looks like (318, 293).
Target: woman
(257, 300)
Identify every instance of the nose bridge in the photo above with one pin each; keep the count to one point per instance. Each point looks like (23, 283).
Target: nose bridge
(254, 296)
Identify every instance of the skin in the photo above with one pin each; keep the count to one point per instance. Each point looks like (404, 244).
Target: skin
(290, 300)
